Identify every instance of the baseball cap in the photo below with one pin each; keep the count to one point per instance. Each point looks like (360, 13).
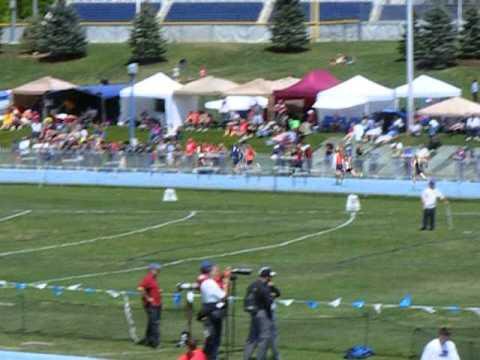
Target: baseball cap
(266, 272)
(206, 266)
(154, 266)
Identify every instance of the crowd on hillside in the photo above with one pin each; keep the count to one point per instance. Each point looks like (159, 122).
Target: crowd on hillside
(286, 134)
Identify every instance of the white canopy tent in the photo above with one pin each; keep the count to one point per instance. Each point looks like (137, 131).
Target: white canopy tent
(155, 95)
(237, 103)
(426, 87)
(354, 97)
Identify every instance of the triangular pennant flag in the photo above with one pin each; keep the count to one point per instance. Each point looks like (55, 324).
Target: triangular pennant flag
(89, 291)
(57, 290)
(286, 302)
(358, 304)
(177, 298)
(312, 304)
(20, 286)
(475, 310)
(406, 302)
(428, 309)
(377, 308)
(335, 303)
(113, 293)
(74, 287)
(453, 308)
(40, 286)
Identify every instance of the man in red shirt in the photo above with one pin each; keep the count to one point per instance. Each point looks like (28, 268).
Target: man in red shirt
(152, 302)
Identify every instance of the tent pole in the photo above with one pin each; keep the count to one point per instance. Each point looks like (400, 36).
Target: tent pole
(410, 68)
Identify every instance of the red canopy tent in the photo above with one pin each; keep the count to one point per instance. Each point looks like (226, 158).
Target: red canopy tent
(308, 88)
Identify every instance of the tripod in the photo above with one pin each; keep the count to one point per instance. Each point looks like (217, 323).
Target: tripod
(230, 319)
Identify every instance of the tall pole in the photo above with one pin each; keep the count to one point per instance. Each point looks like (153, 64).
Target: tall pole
(132, 70)
(13, 20)
(459, 15)
(35, 8)
(410, 69)
(131, 123)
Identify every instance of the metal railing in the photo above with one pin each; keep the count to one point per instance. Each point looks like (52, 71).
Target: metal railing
(374, 164)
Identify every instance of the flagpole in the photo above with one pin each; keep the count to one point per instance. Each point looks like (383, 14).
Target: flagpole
(410, 69)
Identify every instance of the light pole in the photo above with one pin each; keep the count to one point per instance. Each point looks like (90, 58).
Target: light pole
(410, 69)
(459, 15)
(132, 70)
(35, 8)
(13, 20)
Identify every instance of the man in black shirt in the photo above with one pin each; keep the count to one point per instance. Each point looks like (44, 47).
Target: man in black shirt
(260, 335)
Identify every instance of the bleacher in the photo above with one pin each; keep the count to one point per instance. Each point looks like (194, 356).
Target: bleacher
(356, 10)
(108, 11)
(399, 12)
(214, 11)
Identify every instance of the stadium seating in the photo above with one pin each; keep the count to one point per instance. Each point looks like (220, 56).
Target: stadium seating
(330, 11)
(107, 12)
(215, 11)
(399, 12)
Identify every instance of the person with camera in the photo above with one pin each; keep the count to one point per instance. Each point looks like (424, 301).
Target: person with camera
(152, 302)
(214, 298)
(258, 302)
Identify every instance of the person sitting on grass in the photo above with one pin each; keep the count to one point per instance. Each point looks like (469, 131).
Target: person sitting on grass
(205, 121)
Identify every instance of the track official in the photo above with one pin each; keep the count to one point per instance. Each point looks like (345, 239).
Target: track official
(430, 197)
(152, 302)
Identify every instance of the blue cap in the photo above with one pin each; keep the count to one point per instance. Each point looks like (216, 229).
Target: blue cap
(154, 266)
(206, 266)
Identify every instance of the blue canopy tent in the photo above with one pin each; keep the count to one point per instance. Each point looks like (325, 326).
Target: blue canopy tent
(109, 95)
(102, 99)
(5, 100)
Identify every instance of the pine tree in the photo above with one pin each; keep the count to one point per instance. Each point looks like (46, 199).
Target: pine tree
(289, 33)
(470, 35)
(439, 40)
(63, 38)
(146, 40)
(32, 36)
(417, 40)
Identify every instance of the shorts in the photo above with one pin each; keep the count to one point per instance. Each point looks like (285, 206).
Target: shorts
(339, 167)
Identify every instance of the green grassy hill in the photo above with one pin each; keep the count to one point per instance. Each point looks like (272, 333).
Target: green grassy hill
(239, 62)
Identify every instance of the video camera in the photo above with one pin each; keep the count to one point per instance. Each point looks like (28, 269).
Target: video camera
(242, 271)
(187, 286)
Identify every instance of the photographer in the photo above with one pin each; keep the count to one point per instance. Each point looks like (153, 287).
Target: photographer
(258, 302)
(213, 307)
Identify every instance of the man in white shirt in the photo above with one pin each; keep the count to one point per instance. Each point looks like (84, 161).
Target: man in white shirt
(214, 291)
(474, 90)
(429, 202)
(441, 348)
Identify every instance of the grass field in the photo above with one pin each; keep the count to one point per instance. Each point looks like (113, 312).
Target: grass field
(238, 62)
(378, 257)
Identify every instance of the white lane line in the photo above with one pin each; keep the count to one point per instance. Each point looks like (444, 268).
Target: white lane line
(128, 353)
(105, 237)
(141, 212)
(212, 256)
(466, 213)
(21, 213)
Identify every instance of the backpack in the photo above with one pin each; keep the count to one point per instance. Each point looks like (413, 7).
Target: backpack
(250, 300)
